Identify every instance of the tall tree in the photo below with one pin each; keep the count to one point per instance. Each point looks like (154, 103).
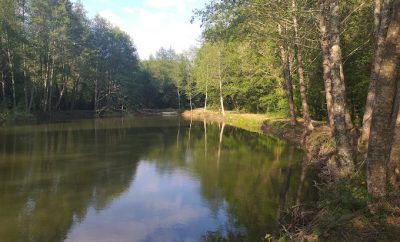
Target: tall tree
(324, 42)
(300, 70)
(381, 14)
(344, 149)
(381, 132)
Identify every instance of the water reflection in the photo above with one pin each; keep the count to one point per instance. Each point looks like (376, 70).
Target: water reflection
(143, 179)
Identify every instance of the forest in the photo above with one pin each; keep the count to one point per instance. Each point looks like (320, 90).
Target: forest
(328, 60)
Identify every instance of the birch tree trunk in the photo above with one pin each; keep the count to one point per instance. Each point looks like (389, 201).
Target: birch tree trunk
(343, 147)
(287, 77)
(300, 71)
(324, 41)
(380, 133)
(380, 22)
(221, 98)
(11, 67)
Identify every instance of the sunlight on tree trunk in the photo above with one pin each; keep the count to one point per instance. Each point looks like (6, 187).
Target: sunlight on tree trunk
(381, 135)
(343, 147)
(380, 25)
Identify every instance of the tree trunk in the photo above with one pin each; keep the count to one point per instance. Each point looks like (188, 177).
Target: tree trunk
(31, 98)
(25, 79)
(381, 19)
(380, 136)
(63, 90)
(287, 77)
(74, 92)
(3, 88)
(24, 68)
(343, 147)
(51, 83)
(221, 98)
(96, 95)
(324, 41)
(394, 161)
(300, 71)
(190, 101)
(179, 98)
(46, 82)
(206, 97)
(11, 66)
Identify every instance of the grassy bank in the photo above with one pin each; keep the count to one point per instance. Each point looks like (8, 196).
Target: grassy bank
(342, 212)
(319, 143)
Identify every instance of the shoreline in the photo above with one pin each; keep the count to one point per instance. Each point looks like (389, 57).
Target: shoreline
(319, 144)
(341, 212)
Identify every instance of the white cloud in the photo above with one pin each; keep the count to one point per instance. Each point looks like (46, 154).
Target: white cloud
(180, 5)
(156, 24)
(113, 18)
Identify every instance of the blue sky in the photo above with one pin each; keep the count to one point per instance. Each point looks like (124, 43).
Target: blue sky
(151, 23)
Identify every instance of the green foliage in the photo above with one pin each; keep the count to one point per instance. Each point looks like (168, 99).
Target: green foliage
(52, 55)
(246, 84)
(253, 79)
(170, 79)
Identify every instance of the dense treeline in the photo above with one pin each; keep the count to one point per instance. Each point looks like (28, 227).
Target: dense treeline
(169, 79)
(327, 60)
(53, 57)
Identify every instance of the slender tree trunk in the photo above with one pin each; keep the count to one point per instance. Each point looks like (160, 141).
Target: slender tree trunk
(289, 86)
(63, 90)
(287, 76)
(96, 95)
(24, 67)
(32, 95)
(221, 98)
(380, 22)
(206, 97)
(324, 41)
(74, 92)
(381, 135)
(46, 82)
(51, 82)
(25, 79)
(11, 67)
(179, 98)
(343, 147)
(394, 161)
(3, 88)
(300, 71)
(190, 101)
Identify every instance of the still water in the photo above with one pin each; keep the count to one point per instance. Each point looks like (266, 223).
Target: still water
(144, 179)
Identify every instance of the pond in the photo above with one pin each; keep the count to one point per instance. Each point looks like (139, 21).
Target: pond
(144, 179)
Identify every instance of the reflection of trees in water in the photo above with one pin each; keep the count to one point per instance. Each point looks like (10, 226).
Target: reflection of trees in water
(255, 176)
(51, 174)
